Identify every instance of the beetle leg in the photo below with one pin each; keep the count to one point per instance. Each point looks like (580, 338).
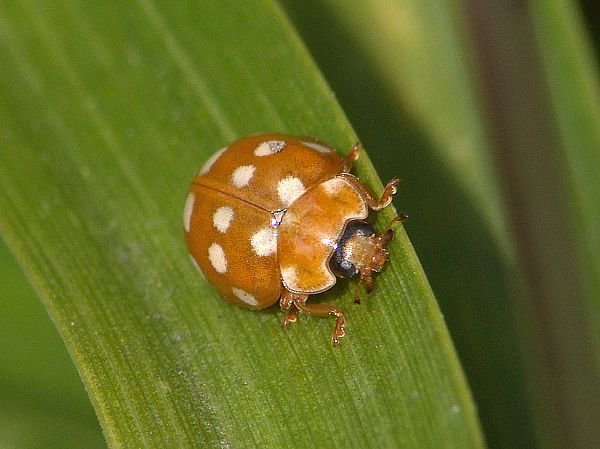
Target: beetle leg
(325, 310)
(354, 152)
(375, 204)
(353, 155)
(294, 302)
(286, 302)
(291, 316)
(388, 234)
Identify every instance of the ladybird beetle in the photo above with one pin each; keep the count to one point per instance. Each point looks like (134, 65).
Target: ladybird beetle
(276, 218)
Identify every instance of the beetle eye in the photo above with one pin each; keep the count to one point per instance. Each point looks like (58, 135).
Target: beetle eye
(339, 263)
(341, 267)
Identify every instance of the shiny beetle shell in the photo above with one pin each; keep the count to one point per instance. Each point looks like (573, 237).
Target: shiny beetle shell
(264, 216)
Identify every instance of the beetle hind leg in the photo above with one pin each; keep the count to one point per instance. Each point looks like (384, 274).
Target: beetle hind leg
(294, 303)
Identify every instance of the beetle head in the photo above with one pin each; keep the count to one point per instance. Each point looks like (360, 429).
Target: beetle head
(360, 252)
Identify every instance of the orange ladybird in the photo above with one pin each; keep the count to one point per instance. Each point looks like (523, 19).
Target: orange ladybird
(276, 218)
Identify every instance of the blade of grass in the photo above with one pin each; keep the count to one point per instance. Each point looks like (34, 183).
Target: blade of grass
(106, 113)
(418, 58)
(411, 90)
(560, 349)
(42, 401)
(572, 72)
(572, 75)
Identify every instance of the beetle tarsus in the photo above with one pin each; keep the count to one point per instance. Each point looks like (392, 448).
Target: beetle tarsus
(354, 152)
(353, 156)
(291, 316)
(386, 197)
(338, 329)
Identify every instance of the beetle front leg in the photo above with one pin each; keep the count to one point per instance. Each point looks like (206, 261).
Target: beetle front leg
(286, 302)
(372, 202)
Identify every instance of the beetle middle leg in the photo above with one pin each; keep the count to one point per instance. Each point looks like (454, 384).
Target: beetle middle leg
(295, 302)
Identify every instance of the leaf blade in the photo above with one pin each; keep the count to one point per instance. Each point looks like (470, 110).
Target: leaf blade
(92, 195)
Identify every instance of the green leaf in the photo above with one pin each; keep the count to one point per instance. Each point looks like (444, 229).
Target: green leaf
(461, 96)
(417, 84)
(42, 401)
(106, 113)
(572, 74)
(570, 320)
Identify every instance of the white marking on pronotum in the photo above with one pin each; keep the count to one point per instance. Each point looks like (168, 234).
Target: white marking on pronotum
(222, 218)
(245, 297)
(318, 147)
(216, 255)
(269, 147)
(328, 242)
(242, 175)
(187, 211)
(197, 266)
(332, 187)
(264, 242)
(289, 189)
(210, 162)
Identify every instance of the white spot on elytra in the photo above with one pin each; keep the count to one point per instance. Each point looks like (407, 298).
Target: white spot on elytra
(269, 147)
(242, 175)
(244, 296)
(222, 218)
(210, 162)
(187, 211)
(289, 189)
(318, 147)
(197, 266)
(264, 242)
(216, 255)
